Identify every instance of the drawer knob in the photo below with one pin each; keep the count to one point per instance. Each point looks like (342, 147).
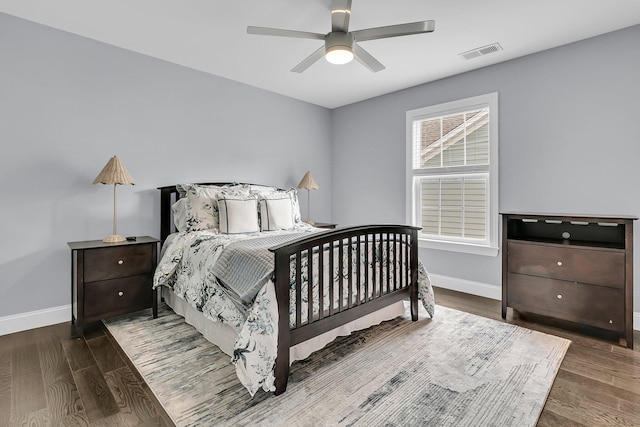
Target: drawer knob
(560, 263)
(560, 296)
(611, 321)
(120, 293)
(120, 261)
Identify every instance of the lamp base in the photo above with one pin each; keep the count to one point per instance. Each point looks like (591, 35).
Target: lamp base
(114, 238)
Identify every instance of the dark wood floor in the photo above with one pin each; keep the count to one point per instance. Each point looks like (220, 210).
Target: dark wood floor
(49, 378)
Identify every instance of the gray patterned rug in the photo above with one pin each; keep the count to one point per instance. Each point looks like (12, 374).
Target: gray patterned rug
(455, 370)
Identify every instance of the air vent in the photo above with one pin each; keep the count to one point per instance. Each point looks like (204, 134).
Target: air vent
(481, 51)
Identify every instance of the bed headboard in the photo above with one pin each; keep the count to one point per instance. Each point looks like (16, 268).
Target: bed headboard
(168, 196)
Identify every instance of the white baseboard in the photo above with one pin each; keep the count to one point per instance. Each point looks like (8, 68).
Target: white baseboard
(34, 319)
(486, 290)
(467, 286)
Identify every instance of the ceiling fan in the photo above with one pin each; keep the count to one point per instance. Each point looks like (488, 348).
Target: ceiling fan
(341, 45)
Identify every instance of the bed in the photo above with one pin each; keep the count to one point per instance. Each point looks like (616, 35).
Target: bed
(239, 264)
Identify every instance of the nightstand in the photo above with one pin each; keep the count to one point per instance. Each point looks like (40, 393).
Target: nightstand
(324, 225)
(109, 279)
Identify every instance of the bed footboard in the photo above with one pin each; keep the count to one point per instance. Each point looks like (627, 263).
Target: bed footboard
(359, 270)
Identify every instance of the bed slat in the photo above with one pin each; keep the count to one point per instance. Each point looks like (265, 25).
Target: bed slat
(332, 287)
(310, 301)
(321, 283)
(298, 292)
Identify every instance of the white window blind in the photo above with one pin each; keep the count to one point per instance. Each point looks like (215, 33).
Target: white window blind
(454, 206)
(452, 178)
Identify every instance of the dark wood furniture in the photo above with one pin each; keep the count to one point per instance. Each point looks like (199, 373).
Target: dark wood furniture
(327, 225)
(384, 283)
(109, 279)
(578, 268)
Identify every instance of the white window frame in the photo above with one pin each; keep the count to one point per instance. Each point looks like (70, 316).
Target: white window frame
(490, 246)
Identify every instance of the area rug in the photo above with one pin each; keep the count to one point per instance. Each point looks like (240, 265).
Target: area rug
(455, 370)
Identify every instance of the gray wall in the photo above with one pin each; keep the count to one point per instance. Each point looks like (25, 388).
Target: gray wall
(67, 104)
(569, 142)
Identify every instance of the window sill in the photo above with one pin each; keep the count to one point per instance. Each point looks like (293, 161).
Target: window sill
(459, 247)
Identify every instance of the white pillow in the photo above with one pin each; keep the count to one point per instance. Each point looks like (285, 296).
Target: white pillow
(180, 214)
(238, 215)
(277, 211)
(293, 193)
(296, 205)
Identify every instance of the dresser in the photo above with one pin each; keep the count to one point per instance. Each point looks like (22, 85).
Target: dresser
(577, 268)
(109, 279)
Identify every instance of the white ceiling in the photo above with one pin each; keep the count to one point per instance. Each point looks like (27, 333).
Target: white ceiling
(210, 36)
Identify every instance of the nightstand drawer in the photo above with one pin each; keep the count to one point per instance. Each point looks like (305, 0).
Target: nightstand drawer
(598, 266)
(111, 297)
(107, 263)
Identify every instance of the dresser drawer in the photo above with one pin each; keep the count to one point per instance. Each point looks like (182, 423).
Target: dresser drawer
(112, 263)
(117, 296)
(597, 266)
(597, 306)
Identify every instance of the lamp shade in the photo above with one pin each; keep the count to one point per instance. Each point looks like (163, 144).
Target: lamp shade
(308, 183)
(114, 172)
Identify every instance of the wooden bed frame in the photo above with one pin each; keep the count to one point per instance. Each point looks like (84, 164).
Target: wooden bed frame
(400, 240)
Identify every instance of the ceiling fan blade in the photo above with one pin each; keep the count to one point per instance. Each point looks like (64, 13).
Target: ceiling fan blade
(265, 31)
(366, 59)
(309, 60)
(340, 15)
(394, 30)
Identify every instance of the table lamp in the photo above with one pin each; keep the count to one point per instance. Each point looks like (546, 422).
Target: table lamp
(308, 183)
(114, 173)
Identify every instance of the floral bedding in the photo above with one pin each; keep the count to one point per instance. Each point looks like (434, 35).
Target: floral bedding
(187, 265)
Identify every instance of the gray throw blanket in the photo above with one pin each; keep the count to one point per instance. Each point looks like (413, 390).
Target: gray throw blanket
(244, 267)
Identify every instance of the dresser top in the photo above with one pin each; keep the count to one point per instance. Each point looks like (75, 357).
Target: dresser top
(570, 216)
(92, 244)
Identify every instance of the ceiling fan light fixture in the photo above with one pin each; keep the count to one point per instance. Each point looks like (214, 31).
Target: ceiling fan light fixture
(339, 48)
(339, 55)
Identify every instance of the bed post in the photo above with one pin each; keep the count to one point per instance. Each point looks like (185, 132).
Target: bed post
(282, 265)
(414, 274)
(165, 211)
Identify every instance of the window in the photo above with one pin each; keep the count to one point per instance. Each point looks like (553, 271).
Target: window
(452, 174)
